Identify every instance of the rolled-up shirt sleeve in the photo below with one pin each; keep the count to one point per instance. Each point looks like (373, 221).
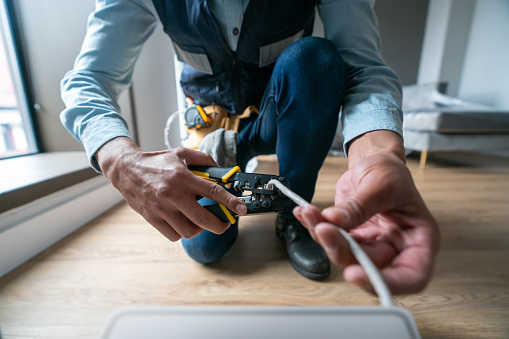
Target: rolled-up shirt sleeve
(373, 94)
(116, 32)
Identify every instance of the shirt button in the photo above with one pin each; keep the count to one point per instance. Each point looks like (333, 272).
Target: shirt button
(235, 31)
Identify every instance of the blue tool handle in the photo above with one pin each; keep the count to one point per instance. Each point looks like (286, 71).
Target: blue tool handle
(219, 210)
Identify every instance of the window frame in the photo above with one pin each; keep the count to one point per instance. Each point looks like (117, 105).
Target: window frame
(12, 35)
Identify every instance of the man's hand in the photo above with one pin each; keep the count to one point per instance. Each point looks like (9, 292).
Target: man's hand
(378, 203)
(159, 186)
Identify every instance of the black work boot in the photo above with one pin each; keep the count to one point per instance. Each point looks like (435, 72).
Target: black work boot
(306, 256)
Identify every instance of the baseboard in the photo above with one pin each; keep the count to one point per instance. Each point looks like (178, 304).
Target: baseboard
(30, 229)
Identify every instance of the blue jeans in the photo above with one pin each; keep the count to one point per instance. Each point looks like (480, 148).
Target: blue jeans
(297, 121)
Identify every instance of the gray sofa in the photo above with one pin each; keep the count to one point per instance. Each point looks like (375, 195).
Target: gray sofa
(434, 122)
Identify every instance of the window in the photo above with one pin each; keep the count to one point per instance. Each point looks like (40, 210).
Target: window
(16, 126)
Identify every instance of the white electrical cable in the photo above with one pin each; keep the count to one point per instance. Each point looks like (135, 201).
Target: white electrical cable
(169, 122)
(372, 272)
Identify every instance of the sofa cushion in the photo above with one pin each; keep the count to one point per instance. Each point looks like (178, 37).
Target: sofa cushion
(458, 120)
(431, 141)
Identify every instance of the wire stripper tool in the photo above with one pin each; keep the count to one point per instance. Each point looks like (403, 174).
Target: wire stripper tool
(252, 188)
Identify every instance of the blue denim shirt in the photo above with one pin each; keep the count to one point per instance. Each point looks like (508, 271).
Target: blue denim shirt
(117, 31)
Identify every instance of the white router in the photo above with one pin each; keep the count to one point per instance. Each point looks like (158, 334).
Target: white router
(261, 323)
(272, 322)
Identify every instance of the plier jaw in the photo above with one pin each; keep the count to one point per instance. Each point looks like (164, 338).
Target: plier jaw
(251, 188)
(257, 195)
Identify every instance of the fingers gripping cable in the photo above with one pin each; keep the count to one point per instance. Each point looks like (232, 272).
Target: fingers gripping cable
(371, 271)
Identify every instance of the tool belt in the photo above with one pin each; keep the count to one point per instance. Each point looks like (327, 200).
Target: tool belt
(201, 121)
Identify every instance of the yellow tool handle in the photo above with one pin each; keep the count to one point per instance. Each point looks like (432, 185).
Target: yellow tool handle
(214, 173)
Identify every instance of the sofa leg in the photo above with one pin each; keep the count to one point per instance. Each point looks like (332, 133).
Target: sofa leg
(424, 156)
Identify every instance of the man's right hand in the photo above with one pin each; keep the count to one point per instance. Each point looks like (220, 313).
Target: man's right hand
(159, 186)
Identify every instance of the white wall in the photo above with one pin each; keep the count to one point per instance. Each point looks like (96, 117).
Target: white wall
(485, 76)
(434, 41)
(466, 44)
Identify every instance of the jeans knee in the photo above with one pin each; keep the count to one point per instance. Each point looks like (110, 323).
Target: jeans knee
(314, 54)
(203, 255)
(208, 247)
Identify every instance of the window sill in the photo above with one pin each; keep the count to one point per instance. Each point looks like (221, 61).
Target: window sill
(32, 177)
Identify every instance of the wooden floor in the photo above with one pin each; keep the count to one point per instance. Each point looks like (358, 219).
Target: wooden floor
(119, 261)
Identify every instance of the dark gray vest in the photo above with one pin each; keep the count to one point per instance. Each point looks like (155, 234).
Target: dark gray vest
(214, 74)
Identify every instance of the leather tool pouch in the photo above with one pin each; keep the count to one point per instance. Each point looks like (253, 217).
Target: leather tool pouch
(219, 118)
